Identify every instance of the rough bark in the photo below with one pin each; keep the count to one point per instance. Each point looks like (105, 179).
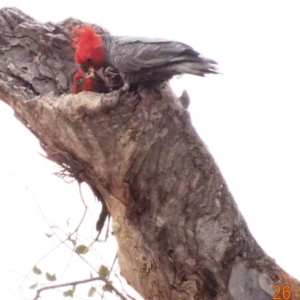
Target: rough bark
(179, 231)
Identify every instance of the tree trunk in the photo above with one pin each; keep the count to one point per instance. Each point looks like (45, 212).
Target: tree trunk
(179, 231)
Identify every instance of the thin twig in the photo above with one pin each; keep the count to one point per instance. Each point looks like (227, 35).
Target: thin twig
(79, 282)
(111, 267)
(107, 229)
(62, 241)
(84, 214)
(120, 281)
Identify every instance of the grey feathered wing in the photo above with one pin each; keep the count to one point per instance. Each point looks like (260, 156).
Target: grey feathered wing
(132, 54)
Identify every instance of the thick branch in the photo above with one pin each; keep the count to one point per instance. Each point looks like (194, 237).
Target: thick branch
(179, 231)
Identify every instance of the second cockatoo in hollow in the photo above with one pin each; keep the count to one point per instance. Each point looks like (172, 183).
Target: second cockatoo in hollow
(89, 81)
(138, 59)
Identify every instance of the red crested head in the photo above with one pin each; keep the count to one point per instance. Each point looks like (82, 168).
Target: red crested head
(83, 82)
(89, 49)
(78, 82)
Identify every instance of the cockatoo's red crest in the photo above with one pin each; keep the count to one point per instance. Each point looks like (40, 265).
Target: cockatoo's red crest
(88, 44)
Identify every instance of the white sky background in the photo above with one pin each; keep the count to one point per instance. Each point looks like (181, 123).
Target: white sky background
(248, 117)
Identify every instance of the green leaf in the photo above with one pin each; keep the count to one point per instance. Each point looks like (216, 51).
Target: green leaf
(81, 249)
(103, 271)
(73, 242)
(107, 287)
(33, 286)
(70, 292)
(92, 291)
(36, 270)
(50, 277)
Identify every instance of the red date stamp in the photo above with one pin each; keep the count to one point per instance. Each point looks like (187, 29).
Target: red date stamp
(282, 292)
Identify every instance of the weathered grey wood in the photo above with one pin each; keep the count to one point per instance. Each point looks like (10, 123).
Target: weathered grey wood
(179, 231)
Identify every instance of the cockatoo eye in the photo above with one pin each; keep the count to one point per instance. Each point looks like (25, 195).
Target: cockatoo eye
(79, 81)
